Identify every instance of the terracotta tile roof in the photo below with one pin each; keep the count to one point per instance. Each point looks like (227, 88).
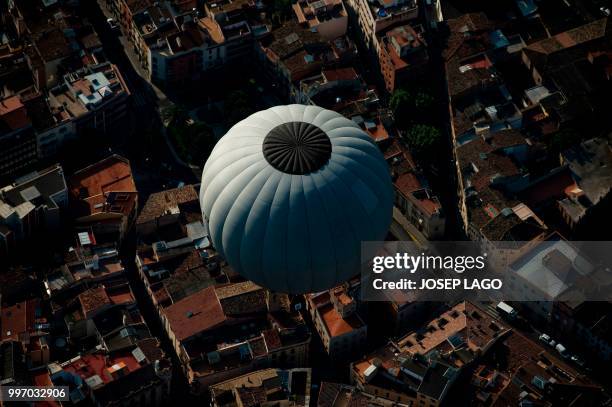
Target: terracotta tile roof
(102, 365)
(385, 355)
(336, 325)
(94, 299)
(242, 298)
(291, 38)
(53, 45)
(378, 132)
(106, 186)
(340, 74)
(112, 174)
(272, 339)
(579, 35)
(483, 160)
(120, 294)
(151, 349)
(253, 379)
(425, 200)
(13, 113)
(160, 202)
(197, 313)
(466, 36)
(232, 290)
(18, 320)
(407, 183)
(465, 321)
(463, 76)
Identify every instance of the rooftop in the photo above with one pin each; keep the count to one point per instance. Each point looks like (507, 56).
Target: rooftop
(87, 89)
(105, 186)
(405, 46)
(291, 38)
(268, 385)
(101, 297)
(97, 369)
(468, 74)
(468, 36)
(384, 10)
(315, 12)
(525, 372)
(340, 395)
(53, 45)
(17, 321)
(83, 265)
(242, 298)
(334, 322)
(568, 39)
(490, 163)
(336, 325)
(94, 299)
(194, 314)
(552, 266)
(427, 201)
(13, 370)
(407, 183)
(392, 369)
(39, 187)
(166, 202)
(464, 325)
(590, 163)
(13, 113)
(126, 337)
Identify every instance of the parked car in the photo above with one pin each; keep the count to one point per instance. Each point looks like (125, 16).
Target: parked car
(577, 360)
(562, 351)
(545, 338)
(506, 310)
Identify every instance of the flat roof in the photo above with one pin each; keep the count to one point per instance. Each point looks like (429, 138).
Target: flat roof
(552, 265)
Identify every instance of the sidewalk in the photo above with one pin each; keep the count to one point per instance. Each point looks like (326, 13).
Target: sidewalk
(408, 229)
(127, 48)
(161, 100)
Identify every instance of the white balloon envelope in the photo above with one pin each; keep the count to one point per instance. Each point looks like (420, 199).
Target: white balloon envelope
(291, 192)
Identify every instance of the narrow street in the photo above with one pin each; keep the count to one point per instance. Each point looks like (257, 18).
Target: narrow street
(149, 177)
(141, 141)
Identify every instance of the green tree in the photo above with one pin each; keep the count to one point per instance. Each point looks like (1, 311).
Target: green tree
(193, 142)
(174, 114)
(237, 107)
(411, 107)
(400, 105)
(423, 139)
(423, 103)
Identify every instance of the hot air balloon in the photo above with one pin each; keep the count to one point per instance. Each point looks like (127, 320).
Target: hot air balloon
(291, 192)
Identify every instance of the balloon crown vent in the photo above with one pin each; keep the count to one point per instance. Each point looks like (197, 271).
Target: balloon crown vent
(297, 148)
